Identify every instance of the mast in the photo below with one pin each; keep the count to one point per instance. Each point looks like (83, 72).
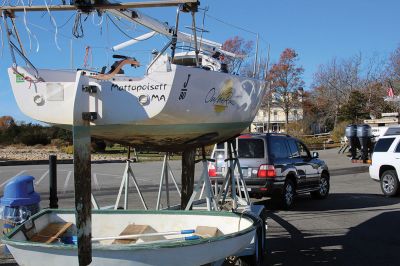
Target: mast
(99, 5)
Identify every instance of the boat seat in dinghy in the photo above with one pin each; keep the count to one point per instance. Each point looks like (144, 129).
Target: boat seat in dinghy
(207, 231)
(51, 233)
(137, 229)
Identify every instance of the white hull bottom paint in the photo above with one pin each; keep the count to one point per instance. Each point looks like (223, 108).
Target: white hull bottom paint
(165, 109)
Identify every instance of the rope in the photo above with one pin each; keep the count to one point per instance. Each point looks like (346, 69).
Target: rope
(28, 30)
(77, 30)
(27, 78)
(101, 20)
(88, 56)
(54, 24)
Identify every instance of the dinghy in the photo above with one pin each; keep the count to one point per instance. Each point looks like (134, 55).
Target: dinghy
(133, 237)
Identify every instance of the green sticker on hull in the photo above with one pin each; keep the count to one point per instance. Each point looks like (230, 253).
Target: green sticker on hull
(19, 78)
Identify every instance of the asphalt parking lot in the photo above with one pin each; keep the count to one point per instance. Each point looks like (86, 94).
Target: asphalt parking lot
(355, 225)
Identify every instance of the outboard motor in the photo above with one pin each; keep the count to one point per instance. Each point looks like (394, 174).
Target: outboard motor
(364, 135)
(351, 134)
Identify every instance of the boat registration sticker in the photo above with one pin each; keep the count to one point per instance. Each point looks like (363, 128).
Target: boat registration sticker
(19, 78)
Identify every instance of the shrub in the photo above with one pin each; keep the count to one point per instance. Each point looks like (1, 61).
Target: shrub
(295, 129)
(68, 149)
(33, 138)
(339, 130)
(98, 145)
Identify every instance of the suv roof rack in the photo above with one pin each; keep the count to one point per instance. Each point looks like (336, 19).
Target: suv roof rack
(263, 134)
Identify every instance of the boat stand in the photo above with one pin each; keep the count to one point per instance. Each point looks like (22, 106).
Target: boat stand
(205, 180)
(166, 168)
(233, 184)
(125, 184)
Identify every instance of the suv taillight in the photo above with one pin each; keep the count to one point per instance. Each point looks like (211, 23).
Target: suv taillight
(212, 172)
(266, 171)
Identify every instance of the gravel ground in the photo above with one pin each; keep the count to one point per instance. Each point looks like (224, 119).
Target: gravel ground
(23, 153)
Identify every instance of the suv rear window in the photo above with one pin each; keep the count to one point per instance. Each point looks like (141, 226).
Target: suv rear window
(278, 148)
(251, 148)
(383, 144)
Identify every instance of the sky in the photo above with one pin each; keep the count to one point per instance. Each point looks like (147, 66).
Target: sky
(319, 30)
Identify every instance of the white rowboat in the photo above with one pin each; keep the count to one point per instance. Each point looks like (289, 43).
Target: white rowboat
(236, 231)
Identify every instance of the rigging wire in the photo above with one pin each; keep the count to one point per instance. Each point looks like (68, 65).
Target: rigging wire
(108, 40)
(54, 24)
(231, 25)
(123, 32)
(237, 27)
(2, 41)
(48, 30)
(66, 22)
(203, 22)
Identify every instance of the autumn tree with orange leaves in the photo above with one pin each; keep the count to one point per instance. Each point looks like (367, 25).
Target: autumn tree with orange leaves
(285, 79)
(6, 122)
(238, 46)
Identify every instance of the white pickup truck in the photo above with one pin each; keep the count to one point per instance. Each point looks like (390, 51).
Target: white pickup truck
(385, 166)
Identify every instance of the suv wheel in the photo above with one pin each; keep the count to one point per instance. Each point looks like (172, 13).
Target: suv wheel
(323, 189)
(389, 183)
(286, 197)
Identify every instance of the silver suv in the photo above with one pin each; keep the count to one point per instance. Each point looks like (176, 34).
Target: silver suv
(278, 166)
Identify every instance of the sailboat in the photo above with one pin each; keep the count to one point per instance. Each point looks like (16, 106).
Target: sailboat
(183, 99)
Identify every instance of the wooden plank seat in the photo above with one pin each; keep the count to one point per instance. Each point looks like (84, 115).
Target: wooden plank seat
(51, 232)
(207, 231)
(137, 229)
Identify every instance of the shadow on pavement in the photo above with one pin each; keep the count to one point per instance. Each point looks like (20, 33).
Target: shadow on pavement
(373, 242)
(336, 201)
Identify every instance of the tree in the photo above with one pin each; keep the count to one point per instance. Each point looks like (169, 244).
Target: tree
(6, 122)
(238, 46)
(355, 110)
(285, 78)
(393, 68)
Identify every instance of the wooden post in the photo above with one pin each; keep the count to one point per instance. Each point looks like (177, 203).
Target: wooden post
(82, 178)
(188, 157)
(53, 181)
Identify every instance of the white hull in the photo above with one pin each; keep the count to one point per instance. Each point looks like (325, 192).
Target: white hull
(178, 106)
(238, 232)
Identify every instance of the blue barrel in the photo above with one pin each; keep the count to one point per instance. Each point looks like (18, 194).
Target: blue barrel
(19, 202)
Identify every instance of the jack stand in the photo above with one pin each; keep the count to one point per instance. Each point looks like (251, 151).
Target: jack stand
(166, 168)
(236, 182)
(125, 183)
(94, 202)
(210, 199)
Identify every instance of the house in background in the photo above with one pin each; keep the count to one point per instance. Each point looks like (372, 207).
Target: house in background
(276, 119)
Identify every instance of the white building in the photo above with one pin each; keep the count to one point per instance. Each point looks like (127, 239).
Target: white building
(276, 116)
(277, 119)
